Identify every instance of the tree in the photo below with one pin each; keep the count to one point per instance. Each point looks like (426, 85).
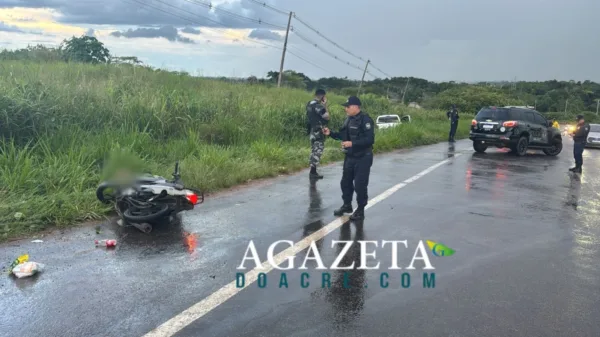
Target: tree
(85, 49)
(126, 60)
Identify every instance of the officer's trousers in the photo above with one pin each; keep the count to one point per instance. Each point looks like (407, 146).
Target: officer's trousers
(317, 142)
(578, 153)
(355, 177)
(453, 126)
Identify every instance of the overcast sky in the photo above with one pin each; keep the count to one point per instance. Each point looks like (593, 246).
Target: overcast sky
(439, 40)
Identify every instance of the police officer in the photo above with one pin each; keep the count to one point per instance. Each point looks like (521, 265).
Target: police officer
(318, 117)
(357, 136)
(452, 115)
(580, 139)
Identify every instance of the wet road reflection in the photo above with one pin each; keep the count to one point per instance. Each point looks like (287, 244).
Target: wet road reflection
(486, 178)
(583, 225)
(347, 291)
(574, 191)
(451, 150)
(314, 214)
(165, 238)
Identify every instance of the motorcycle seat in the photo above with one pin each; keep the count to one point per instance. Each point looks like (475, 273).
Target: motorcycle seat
(147, 180)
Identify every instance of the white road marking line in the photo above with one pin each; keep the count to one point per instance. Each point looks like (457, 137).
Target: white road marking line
(175, 324)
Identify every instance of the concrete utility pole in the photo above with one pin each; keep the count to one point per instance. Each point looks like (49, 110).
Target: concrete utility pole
(284, 48)
(597, 106)
(405, 87)
(566, 104)
(363, 78)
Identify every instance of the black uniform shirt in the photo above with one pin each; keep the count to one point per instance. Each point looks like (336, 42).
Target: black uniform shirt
(453, 115)
(360, 131)
(581, 133)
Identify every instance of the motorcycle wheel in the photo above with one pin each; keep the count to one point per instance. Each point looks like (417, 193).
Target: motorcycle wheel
(138, 216)
(100, 193)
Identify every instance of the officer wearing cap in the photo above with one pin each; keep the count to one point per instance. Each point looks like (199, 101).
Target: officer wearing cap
(357, 136)
(579, 139)
(318, 117)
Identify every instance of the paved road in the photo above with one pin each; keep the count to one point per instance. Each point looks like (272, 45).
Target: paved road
(525, 232)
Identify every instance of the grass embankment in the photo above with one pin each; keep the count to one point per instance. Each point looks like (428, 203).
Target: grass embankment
(60, 124)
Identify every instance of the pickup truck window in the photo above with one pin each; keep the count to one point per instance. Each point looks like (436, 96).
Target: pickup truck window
(388, 119)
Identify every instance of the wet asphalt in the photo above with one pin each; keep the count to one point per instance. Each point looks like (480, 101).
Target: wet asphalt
(525, 231)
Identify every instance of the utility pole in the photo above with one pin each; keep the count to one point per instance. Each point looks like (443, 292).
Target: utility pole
(566, 103)
(597, 106)
(405, 87)
(363, 78)
(284, 48)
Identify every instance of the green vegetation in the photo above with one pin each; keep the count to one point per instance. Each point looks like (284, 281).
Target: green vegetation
(69, 119)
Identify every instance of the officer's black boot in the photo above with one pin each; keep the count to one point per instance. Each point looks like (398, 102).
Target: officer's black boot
(359, 214)
(314, 174)
(346, 208)
(578, 169)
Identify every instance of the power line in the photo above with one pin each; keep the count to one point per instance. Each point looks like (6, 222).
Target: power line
(244, 17)
(196, 22)
(210, 6)
(320, 34)
(390, 76)
(326, 38)
(264, 4)
(305, 60)
(337, 45)
(323, 50)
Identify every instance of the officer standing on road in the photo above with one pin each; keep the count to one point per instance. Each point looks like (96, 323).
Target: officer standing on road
(580, 139)
(452, 115)
(357, 136)
(318, 117)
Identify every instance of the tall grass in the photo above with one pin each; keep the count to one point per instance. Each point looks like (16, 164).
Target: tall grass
(60, 124)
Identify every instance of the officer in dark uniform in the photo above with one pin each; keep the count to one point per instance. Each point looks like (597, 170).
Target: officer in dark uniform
(452, 115)
(357, 136)
(318, 117)
(580, 139)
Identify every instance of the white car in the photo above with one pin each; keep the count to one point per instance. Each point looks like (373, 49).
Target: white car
(388, 121)
(594, 136)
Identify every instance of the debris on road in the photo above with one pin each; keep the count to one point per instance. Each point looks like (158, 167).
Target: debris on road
(21, 259)
(37, 241)
(22, 267)
(27, 269)
(106, 243)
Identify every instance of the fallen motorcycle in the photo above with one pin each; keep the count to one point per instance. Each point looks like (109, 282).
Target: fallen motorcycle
(150, 199)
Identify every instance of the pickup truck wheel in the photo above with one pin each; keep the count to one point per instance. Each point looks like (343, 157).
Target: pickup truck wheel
(479, 147)
(555, 150)
(522, 145)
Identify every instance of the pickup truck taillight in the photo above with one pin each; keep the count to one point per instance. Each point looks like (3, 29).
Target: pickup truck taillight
(510, 124)
(473, 122)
